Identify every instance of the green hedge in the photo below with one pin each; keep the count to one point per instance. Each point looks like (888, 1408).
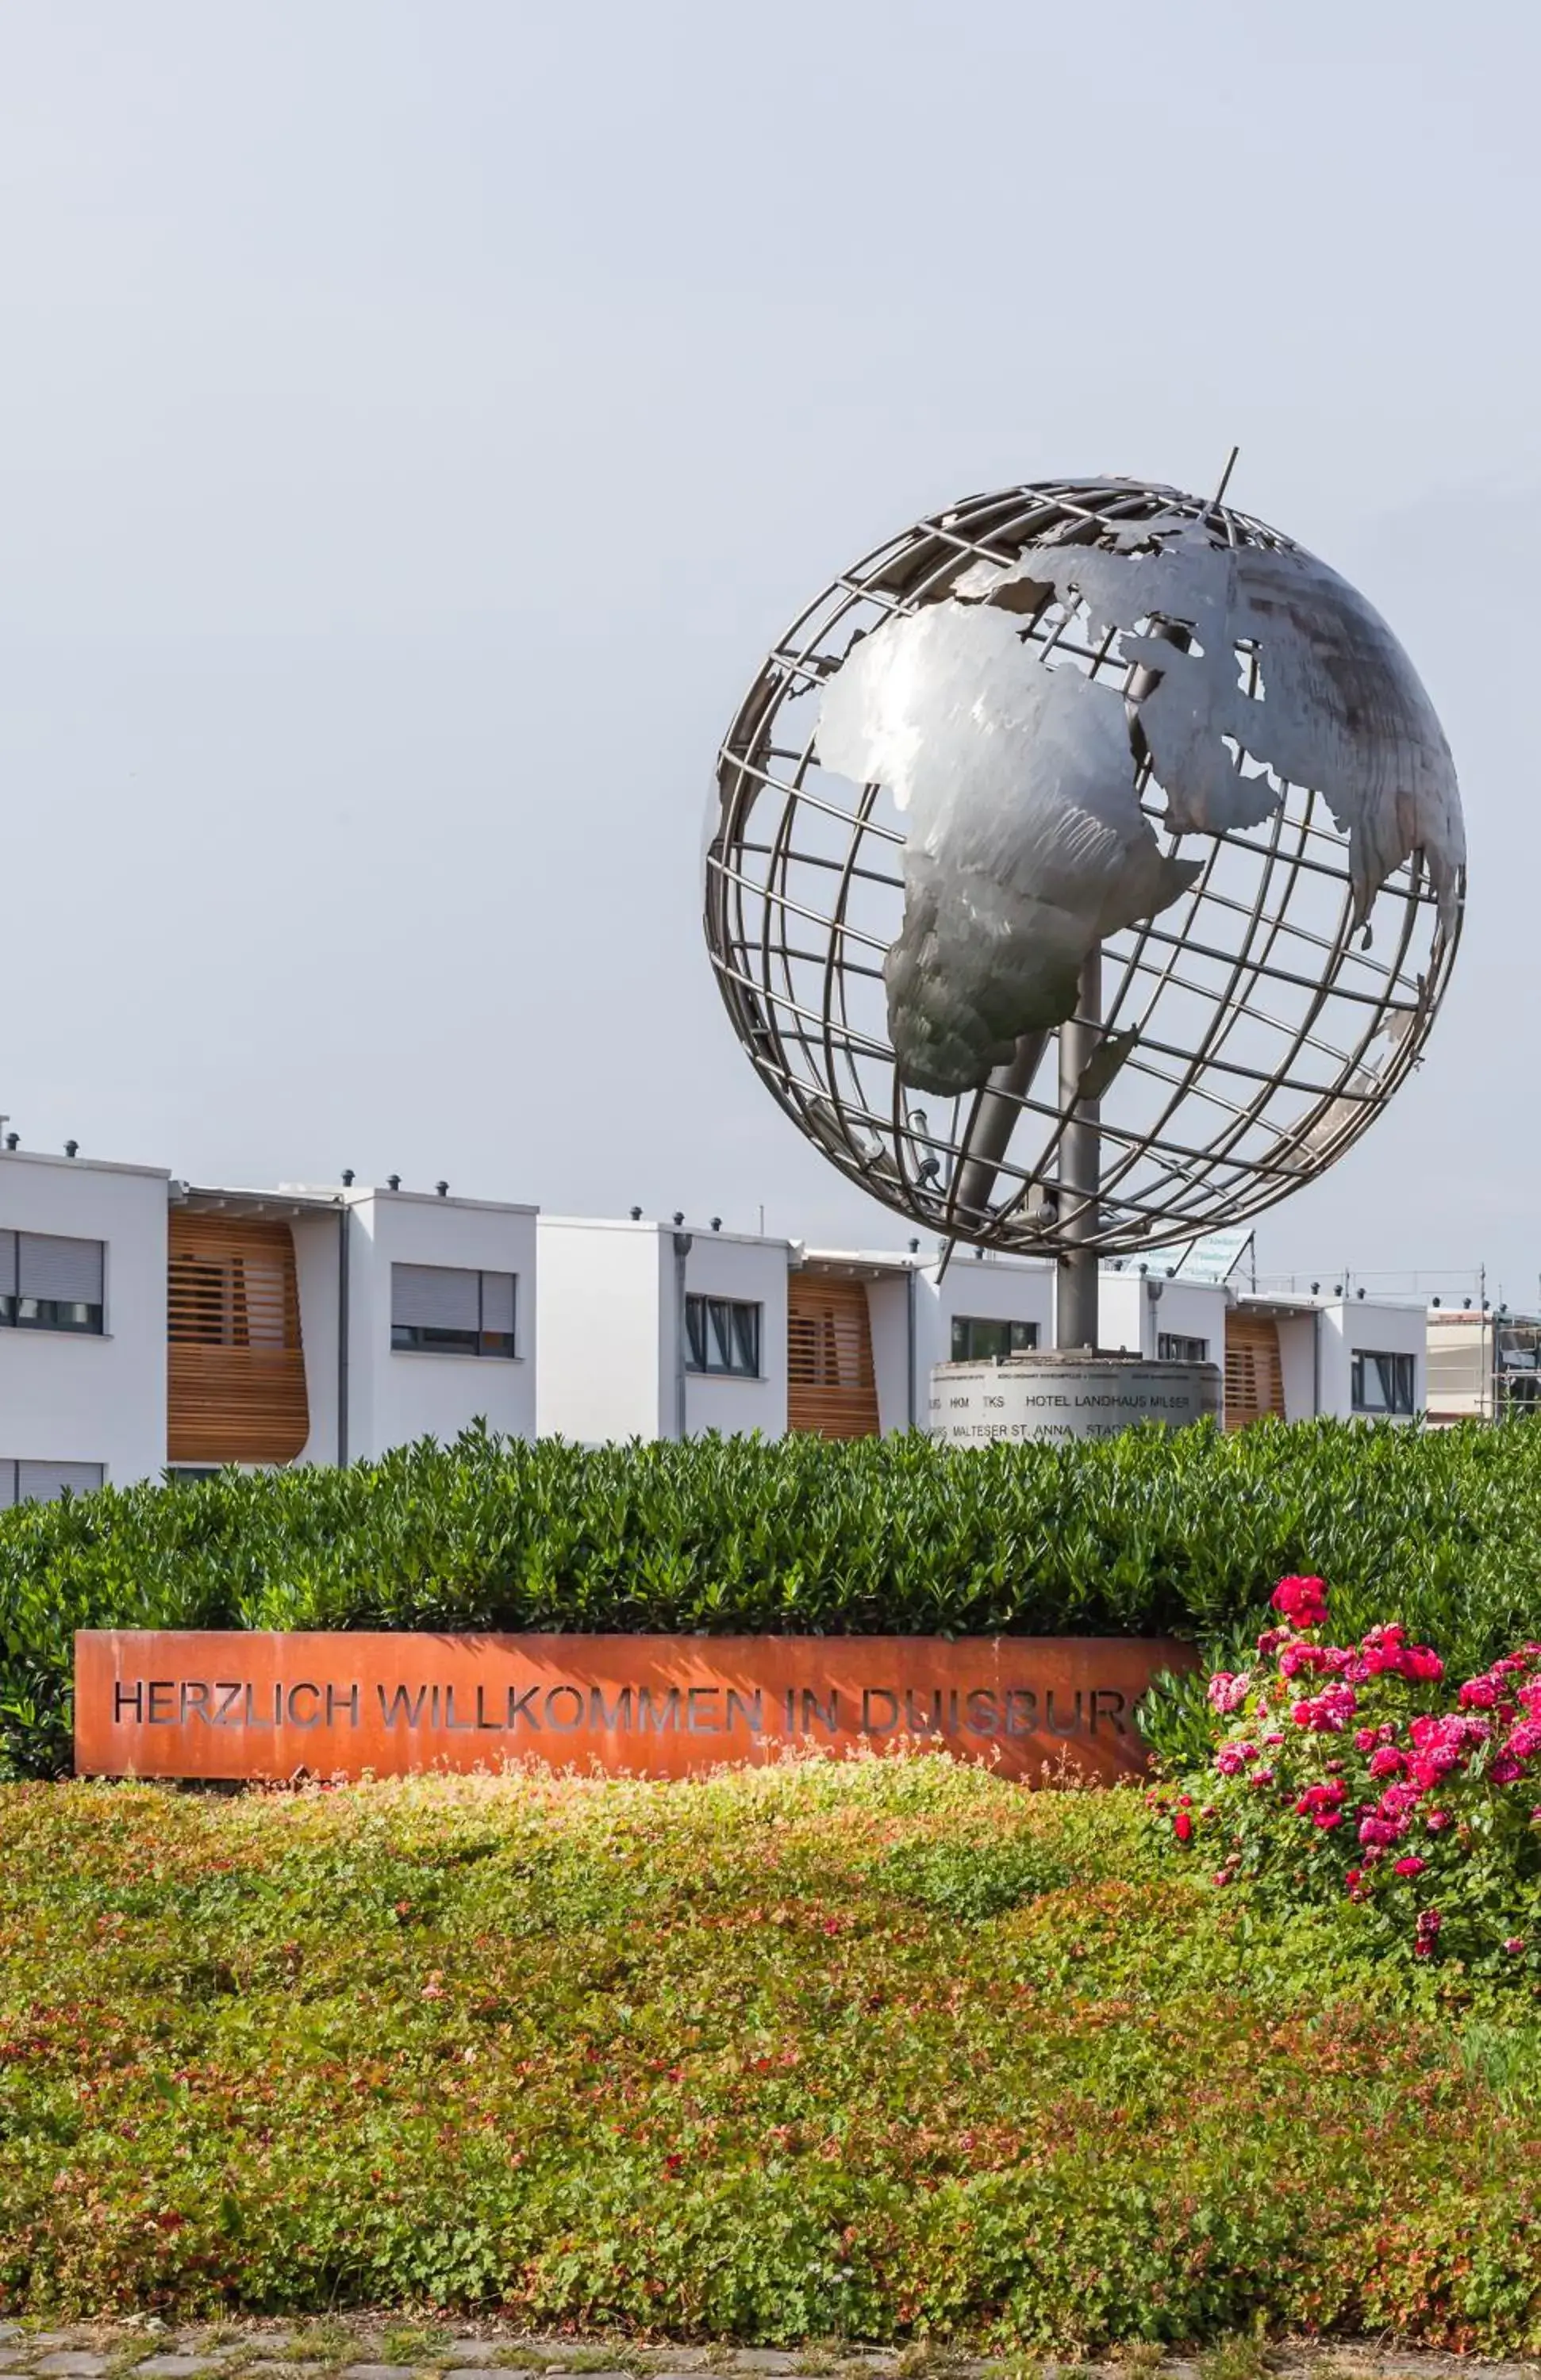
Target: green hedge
(1145, 1533)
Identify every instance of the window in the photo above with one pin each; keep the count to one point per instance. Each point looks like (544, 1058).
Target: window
(44, 1483)
(722, 1334)
(1173, 1348)
(977, 1339)
(442, 1310)
(1383, 1384)
(48, 1283)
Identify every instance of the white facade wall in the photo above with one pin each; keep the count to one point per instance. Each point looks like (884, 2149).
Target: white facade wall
(73, 1396)
(394, 1398)
(317, 1240)
(600, 1292)
(1350, 1323)
(1132, 1321)
(722, 1264)
(611, 1330)
(891, 1300)
(1297, 1362)
(998, 1289)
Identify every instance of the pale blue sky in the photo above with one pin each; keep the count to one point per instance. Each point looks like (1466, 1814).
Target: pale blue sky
(416, 419)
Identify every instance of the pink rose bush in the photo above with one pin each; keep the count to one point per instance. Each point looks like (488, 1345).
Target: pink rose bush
(1359, 1775)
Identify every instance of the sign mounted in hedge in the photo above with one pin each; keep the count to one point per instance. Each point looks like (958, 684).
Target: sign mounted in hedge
(263, 1706)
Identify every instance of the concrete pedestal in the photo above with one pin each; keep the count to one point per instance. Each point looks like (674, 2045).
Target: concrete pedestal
(1068, 1395)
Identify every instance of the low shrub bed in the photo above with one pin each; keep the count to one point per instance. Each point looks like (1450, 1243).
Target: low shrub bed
(1372, 1778)
(1146, 1533)
(868, 2050)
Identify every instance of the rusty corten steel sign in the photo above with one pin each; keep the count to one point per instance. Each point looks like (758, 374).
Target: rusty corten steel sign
(229, 1705)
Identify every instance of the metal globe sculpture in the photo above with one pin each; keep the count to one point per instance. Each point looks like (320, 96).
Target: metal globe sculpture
(1100, 766)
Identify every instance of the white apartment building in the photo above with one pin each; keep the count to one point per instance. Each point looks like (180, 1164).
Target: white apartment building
(1293, 1356)
(648, 1330)
(147, 1323)
(82, 1324)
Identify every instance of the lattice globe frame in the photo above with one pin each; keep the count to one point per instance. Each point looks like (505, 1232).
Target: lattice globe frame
(1271, 1026)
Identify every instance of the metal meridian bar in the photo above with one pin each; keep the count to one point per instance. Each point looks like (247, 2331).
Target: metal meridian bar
(1000, 1111)
(1080, 1165)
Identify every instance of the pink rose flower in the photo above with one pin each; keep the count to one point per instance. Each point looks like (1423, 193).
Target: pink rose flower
(1227, 1691)
(1410, 1865)
(1328, 1713)
(1302, 1602)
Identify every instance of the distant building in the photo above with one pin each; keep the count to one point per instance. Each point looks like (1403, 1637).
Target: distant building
(1482, 1364)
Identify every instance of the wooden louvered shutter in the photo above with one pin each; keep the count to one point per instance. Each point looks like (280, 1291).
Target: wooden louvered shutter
(1253, 1373)
(832, 1387)
(236, 1369)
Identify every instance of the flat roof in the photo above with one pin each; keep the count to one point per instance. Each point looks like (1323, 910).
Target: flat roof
(262, 1205)
(696, 1231)
(82, 1164)
(841, 1264)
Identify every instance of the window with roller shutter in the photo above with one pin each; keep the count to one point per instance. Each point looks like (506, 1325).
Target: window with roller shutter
(25, 1481)
(452, 1310)
(49, 1282)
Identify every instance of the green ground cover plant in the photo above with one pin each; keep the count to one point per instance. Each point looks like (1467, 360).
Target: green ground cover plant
(879, 2049)
(1147, 1533)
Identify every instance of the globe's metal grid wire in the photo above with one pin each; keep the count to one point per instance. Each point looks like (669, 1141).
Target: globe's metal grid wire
(811, 1052)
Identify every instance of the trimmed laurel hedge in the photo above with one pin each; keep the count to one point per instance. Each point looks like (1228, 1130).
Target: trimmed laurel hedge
(1145, 1533)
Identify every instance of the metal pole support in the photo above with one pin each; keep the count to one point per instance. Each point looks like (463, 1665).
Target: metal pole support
(1080, 1165)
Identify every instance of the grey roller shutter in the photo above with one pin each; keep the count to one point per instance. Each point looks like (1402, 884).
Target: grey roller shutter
(66, 1270)
(41, 1483)
(435, 1297)
(7, 1264)
(497, 1301)
(7, 1485)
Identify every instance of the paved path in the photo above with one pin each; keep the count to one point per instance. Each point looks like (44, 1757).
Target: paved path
(387, 2348)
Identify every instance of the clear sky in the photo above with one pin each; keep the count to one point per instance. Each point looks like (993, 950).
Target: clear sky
(416, 416)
